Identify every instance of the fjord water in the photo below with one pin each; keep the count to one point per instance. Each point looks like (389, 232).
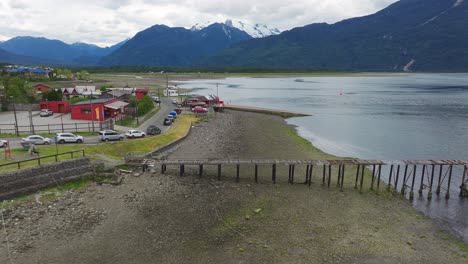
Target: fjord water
(387, 116)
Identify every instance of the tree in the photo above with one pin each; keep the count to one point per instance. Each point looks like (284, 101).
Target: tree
(54, 95)
(84, 75)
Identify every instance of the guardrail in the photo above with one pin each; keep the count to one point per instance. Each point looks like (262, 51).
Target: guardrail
(18, 163)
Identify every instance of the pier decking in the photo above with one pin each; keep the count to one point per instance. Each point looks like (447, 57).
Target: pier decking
(403, 175)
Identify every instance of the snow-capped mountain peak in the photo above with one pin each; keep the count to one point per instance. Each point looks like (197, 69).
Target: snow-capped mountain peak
(254, 30)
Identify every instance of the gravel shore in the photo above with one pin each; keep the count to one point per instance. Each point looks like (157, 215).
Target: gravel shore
(154, 218)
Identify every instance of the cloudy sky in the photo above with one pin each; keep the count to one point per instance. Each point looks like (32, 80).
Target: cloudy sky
(106, 22)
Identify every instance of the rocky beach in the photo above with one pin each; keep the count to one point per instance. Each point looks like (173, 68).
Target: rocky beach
(155, 218)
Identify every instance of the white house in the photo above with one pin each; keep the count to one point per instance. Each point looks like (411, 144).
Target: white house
(171, 92)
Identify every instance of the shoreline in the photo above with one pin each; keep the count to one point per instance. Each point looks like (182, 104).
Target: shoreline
(200, 220)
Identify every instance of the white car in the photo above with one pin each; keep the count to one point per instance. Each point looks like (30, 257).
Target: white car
(132, 133)
(3, 143)
(62, 138)
(37, 140)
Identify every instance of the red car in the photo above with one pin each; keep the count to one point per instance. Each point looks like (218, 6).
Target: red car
(199, 109)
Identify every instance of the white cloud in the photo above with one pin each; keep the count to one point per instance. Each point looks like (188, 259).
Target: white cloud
(107, 22)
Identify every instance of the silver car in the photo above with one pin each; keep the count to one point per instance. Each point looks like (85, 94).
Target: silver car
(37, 140)
(68, 137)
(107, 135)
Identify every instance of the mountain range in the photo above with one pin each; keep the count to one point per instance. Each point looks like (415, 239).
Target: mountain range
(409, 35)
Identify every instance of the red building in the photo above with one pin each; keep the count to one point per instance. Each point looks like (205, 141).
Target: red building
(56, 106)
(141, 92)
(41, 88)
(97, 110)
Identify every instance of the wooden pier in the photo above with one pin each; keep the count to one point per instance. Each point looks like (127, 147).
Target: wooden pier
(403, 176)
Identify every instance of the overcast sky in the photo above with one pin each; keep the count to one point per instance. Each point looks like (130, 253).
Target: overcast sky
(106, 22)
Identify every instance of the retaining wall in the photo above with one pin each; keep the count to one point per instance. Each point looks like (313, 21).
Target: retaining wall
(31, 180)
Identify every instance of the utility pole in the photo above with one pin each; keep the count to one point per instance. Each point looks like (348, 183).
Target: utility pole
(92, 110)
(16, 119)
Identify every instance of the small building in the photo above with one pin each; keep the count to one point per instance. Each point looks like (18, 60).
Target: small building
(97, 110)
(56, 106)
(171, 92)
(41, 88)
(141, 92)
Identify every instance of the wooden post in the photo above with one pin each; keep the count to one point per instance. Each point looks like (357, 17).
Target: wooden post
(310, 174)
(307, 174)
(289, 173)
(357, 177)
(237, 172)
(219, 172)
(421, 185)
(429, 194)
(397, 178)
(256, 173)
(71, 154)
(324, 173)
(342, 177)
(39, 161)
(440, 180)
(273, 173)
(200, 174)
(329, 175)
(162, 168)
(373, 178)
(463, 190)
(403, 186)
(447, 194)
(338, 182)
(56, 158)
(182, 170)
(411, 195)
(378, 177)
(292, 173)
(362, 178)
(390, 178)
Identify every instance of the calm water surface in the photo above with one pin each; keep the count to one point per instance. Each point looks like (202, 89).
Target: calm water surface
(388, 117)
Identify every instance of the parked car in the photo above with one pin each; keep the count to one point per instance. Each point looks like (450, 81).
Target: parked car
(199, 109)
(178, 110)
(62, 138)
(37, 140)
(132, 133)
(156, 99)
(107, 135)
(3, 143)
(153, 130)
(45, 112)
(167, 121)
(172, 118)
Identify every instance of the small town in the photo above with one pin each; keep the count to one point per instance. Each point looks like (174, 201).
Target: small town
(319, 131)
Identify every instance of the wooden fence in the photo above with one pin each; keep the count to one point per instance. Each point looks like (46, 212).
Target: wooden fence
(39, 159)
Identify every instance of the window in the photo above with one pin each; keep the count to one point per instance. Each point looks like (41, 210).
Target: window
(86, 111)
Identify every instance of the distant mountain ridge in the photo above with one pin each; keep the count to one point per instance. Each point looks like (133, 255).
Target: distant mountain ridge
(254, 30)
(161, 45)
(56, 51)
(411, 35)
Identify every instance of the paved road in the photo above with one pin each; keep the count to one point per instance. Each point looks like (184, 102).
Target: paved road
(158, 119)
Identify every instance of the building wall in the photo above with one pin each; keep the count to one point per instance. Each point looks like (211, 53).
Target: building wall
(79, 112)
(31, 180)
(56, 106)
(41, 88)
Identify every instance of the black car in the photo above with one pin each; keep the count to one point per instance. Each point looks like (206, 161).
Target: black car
(153, 130)
(167, 121)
